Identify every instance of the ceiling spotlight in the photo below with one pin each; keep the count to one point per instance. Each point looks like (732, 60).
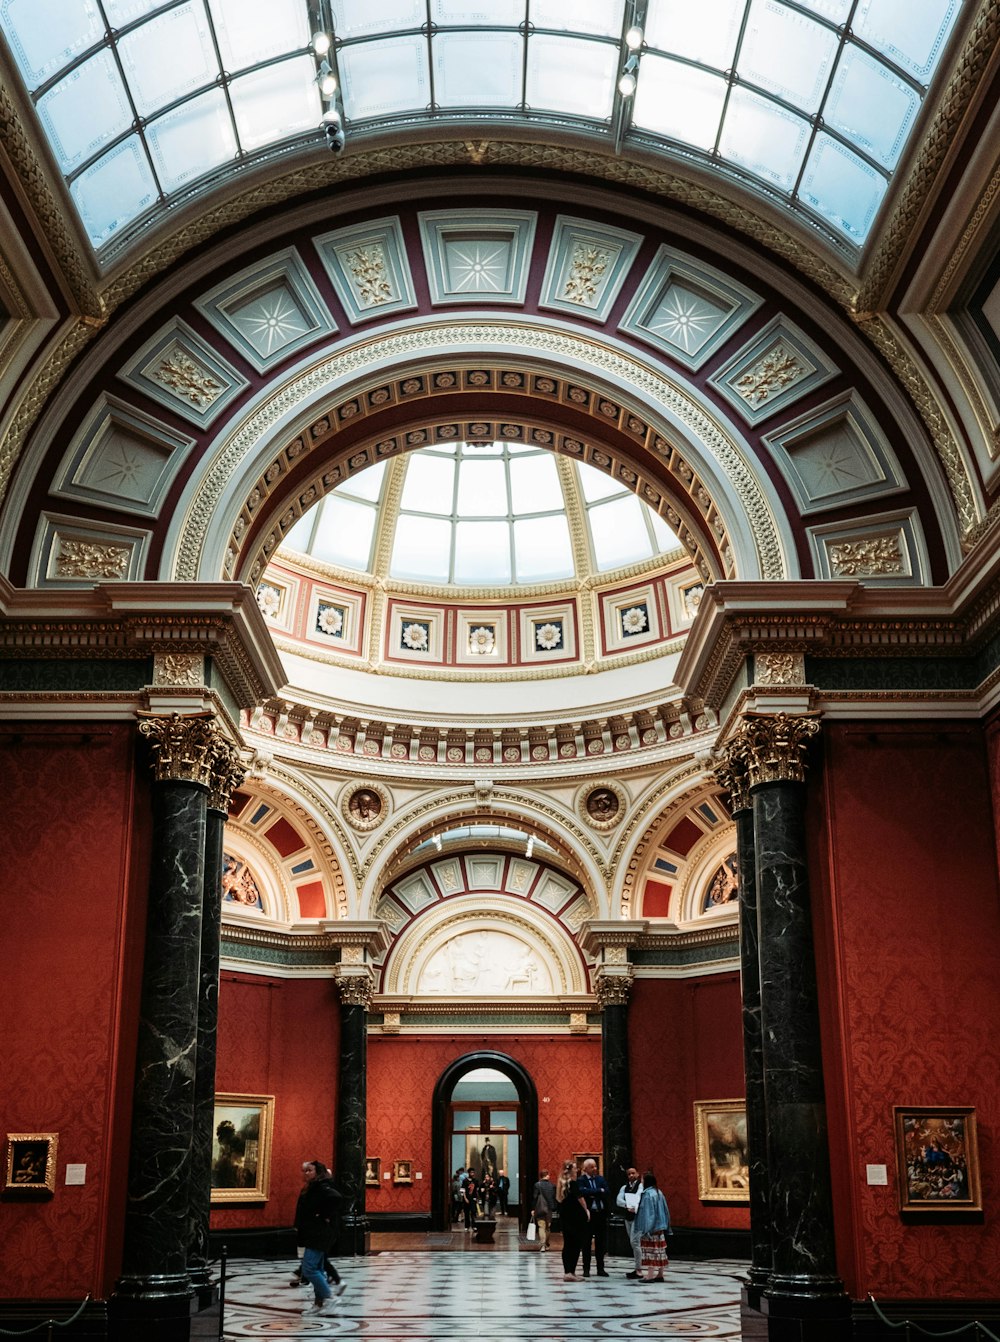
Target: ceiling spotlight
(327, 80)
(626, 85)
(633, 38)
(321, 43)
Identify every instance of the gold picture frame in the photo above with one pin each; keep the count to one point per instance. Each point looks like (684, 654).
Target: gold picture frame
(937, 1159)
(720, 1136)
(595, 1156)
(31, 1163)
(402, 1171)
(242, 1128)
(373, 1172)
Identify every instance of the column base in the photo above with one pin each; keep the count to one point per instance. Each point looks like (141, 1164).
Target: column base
(801, 1318)
(143, 1307)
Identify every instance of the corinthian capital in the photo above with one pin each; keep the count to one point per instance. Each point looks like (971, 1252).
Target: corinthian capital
(184, 746)
(773, 747)
(227, 773)
(355, 989)
(613, 987)
(731, 769)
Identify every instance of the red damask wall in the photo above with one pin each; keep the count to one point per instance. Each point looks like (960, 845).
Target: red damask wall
(73, 915)
(685, 1044)
(281, 1037)
(907, 928)
(402, 1074)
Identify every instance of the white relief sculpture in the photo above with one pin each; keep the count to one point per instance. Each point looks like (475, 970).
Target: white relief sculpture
(485, 963)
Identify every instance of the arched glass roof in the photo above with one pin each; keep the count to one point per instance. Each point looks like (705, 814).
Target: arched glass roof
(144, 102)
(483, 515)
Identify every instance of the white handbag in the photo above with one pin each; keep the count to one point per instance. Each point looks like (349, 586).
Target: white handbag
(532, 1232)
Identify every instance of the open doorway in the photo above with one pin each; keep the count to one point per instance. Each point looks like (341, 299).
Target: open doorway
(485, 1116)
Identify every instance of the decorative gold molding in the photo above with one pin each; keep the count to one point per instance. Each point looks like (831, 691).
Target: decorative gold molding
(226, 773)
(730, 767)
(356, 989)
(613, 987)
(771, 747)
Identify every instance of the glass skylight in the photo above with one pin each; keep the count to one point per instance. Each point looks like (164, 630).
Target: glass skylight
(492, 515)
(142, 100)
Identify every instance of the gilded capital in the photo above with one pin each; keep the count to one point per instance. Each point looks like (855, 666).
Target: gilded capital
(356, 989)
(227, 773)
(613, 988)
(184, 746)
(731, 769)
(773, 746)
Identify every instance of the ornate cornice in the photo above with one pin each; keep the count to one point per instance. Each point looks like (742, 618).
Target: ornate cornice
(771, 747)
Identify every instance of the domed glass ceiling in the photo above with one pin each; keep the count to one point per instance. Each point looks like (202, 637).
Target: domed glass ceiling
(489, 514)
(145, 102)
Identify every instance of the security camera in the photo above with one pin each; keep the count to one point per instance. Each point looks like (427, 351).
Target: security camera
(333, 129)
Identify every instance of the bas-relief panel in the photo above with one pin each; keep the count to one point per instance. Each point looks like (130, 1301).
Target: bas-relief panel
(485, 963)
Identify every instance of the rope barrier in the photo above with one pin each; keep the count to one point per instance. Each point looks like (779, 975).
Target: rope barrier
(979, 1329)
(46, 1323)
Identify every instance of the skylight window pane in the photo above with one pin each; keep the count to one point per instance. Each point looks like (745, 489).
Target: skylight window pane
(912, 33)
(787, 54)
(841, 187)
(380, 78)
(665, 537)
(482, 489)
(250, 31)
(367, 484)
(169, 56)
(596, 484)
(482, 553)
(85, 110)
(45, 35)
(620, 537)
(486, 13)
(705, 32)
(534, 484)
(871, 106)
(601, 17)
(478, 70)
(344, 535)
(122, 12)
(836, 11)
(276, 102)
(542, 549)
(422, 549)
(571, 75)
(114, 191)
(764, 138)
(429, 485)
(300, 536)
(679, 102)
(360, 18)
(191, 140)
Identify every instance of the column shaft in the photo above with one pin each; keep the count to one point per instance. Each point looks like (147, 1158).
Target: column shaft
(154, 1260)
(617, 1096)
(801, 1203)
(352, 1094)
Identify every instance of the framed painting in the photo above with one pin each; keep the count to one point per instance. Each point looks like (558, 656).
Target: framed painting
(937, 1159)
(485, 1153)
(31, 1162)
(241, 1148)
(581, 1156)
(373, 1172)
(720, 1136)
(402, 1171)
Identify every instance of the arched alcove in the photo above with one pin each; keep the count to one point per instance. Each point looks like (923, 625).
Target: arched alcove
(528, 1097)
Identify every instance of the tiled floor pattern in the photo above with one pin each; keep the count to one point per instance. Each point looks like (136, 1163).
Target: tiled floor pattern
(496, 1296)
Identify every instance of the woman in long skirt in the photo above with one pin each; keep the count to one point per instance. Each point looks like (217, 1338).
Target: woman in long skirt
(653, 1226)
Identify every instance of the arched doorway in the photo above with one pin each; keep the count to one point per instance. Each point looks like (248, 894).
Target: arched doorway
(441, 1130)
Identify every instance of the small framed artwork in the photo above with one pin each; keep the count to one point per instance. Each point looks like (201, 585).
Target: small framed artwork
(373, 1168)
(241, 1148)
(720, 1137)
(31, 1162)
(588, 1155)
(402, 1171)
(937, 1159)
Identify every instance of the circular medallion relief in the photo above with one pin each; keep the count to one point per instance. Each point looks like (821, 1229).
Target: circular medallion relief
(365, 807)
(603, 807)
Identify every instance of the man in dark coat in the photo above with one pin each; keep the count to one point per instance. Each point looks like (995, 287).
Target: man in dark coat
(503, 1190)
(316, 1215)
(594, 1188)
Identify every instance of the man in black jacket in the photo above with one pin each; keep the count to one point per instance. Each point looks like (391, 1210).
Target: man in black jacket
(316, 1215)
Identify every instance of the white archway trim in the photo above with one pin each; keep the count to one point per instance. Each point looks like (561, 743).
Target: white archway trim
(708, 856)
(197, 545)
(462, 932)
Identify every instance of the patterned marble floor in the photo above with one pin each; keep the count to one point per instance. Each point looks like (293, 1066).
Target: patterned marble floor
(497, 1296)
